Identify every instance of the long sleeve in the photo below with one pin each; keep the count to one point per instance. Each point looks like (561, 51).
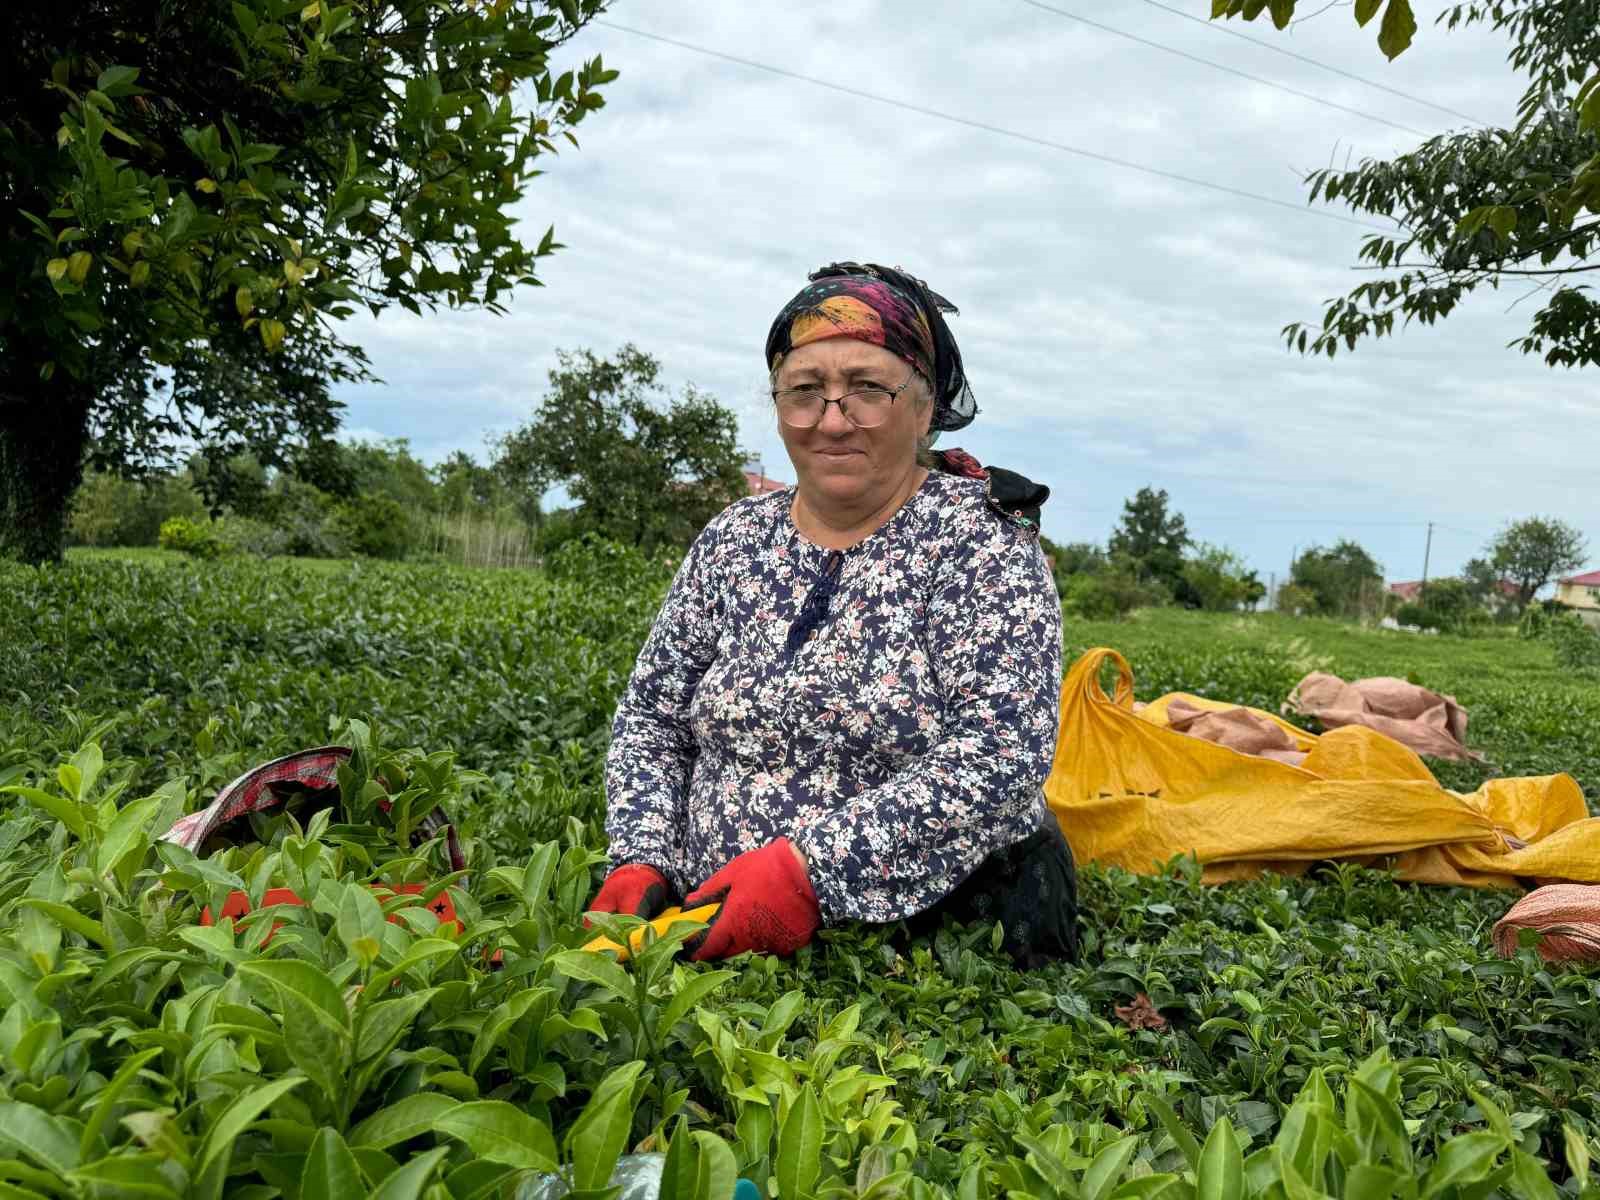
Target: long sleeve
(994, 639)
(651, 758)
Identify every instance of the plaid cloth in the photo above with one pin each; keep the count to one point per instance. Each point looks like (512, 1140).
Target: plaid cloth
(316, 770)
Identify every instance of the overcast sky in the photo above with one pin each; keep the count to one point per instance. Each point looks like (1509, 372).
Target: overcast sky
(1119, 329)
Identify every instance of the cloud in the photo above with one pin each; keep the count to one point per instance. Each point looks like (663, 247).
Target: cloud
(1120, 329)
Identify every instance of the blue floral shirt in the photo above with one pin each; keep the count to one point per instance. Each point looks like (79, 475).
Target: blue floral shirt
(903, 742)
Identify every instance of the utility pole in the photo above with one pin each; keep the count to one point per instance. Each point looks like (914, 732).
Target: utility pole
(1427, 550)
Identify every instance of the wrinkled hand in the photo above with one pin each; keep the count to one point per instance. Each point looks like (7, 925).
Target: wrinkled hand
(768, 905)
(634, 889)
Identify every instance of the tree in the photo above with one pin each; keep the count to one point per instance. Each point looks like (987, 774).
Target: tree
(1345, 581)
(1218, 579)
(1482, 207)
(1532, 552)
(643, 473)
(188, 191)
(1153, 539)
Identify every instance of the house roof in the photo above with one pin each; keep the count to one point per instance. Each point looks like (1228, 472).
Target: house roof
(1591, 579)
(760, 485)
(1411, 588)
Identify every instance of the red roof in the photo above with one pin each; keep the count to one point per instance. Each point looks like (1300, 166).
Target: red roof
(1592, 579)
(1413, 587)
(760, 485)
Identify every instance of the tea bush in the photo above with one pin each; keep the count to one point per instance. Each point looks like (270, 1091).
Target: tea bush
(1341, 1035)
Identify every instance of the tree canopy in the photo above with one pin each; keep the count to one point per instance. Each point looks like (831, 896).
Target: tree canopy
(1532, 552)
(1152, 538)
(1344, 581)
(643, 472)
(1479, 208)
(191, 195)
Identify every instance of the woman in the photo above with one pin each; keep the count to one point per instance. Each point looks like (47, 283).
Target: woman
(848, 702)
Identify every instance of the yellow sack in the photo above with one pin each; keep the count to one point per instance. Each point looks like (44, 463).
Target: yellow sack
(1132, 793)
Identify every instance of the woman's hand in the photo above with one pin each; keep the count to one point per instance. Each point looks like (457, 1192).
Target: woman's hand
(767, 901)
(635, 889)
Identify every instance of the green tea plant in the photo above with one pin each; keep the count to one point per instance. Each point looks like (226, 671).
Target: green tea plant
(1340, 1035)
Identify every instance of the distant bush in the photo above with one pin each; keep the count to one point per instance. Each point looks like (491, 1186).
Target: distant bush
(1295, 600)
(198, 538)
(374, 526)
(1109, 595)
(110, 511)
(249, 536)
(1576, 646)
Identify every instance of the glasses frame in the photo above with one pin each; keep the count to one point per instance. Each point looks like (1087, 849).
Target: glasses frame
(893, 394)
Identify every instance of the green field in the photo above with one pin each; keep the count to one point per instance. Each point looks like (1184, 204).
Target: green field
(144, 1055)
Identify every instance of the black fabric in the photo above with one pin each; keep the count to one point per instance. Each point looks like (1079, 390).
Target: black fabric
(1016, 493)
(1031, 888)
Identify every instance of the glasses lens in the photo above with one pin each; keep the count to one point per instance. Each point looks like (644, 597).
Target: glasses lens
(800, 407)
(868, 408)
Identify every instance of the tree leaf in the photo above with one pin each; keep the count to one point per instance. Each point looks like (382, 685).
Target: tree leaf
(1398, 28)
(1176, 1129)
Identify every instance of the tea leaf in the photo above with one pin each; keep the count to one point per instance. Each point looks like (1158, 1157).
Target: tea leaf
(600, 1133)
(799, 1160)
(236, 1118)
(501, 1133)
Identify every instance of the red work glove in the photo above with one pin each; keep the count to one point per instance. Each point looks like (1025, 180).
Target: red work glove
(634, 889)
(768, 905)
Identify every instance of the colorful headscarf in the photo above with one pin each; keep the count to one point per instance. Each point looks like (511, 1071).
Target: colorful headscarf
(887, 308)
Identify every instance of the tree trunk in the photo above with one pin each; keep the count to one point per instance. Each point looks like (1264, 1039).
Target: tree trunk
(44, 429)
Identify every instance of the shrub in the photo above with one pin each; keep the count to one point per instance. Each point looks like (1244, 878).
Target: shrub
(199, 538)
(250, 536)
(1109, 595)
(110, 511)
(1415, 614)
(373, 526)
(1295, 600)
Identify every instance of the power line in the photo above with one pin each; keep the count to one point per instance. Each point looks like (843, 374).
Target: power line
(985, 127)
(1206, 62)
(1219, 27)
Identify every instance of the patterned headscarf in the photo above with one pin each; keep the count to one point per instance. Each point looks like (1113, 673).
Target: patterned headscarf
(887, 308)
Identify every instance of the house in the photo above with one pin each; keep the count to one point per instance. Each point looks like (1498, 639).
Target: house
(1410, 592)
(759, 484)
(1581, 593)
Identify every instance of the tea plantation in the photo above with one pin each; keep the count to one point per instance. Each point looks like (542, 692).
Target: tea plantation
(1340, 1036)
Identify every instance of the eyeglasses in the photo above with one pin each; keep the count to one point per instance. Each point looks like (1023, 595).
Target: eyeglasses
(865, 408)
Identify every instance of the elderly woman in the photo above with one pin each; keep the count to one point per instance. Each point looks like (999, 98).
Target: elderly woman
(848, 702)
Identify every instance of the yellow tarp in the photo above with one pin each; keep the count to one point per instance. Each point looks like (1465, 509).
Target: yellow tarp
(1130, 792)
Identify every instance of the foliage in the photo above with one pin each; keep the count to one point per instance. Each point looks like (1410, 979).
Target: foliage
(1152, 538)
(1576, 646)
(198, 538)
(196, 192)
(1445, 604)
(1395, 31)
(1344, 581)
(1342, 1031)
(375, 526)
(642, 473)
(1112, 593)
(110, 511)
(1218, 581)
(1483, 207)
(1296, 600)
(1532, 552)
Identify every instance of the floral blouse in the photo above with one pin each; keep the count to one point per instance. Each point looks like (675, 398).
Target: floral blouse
(902, 742)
